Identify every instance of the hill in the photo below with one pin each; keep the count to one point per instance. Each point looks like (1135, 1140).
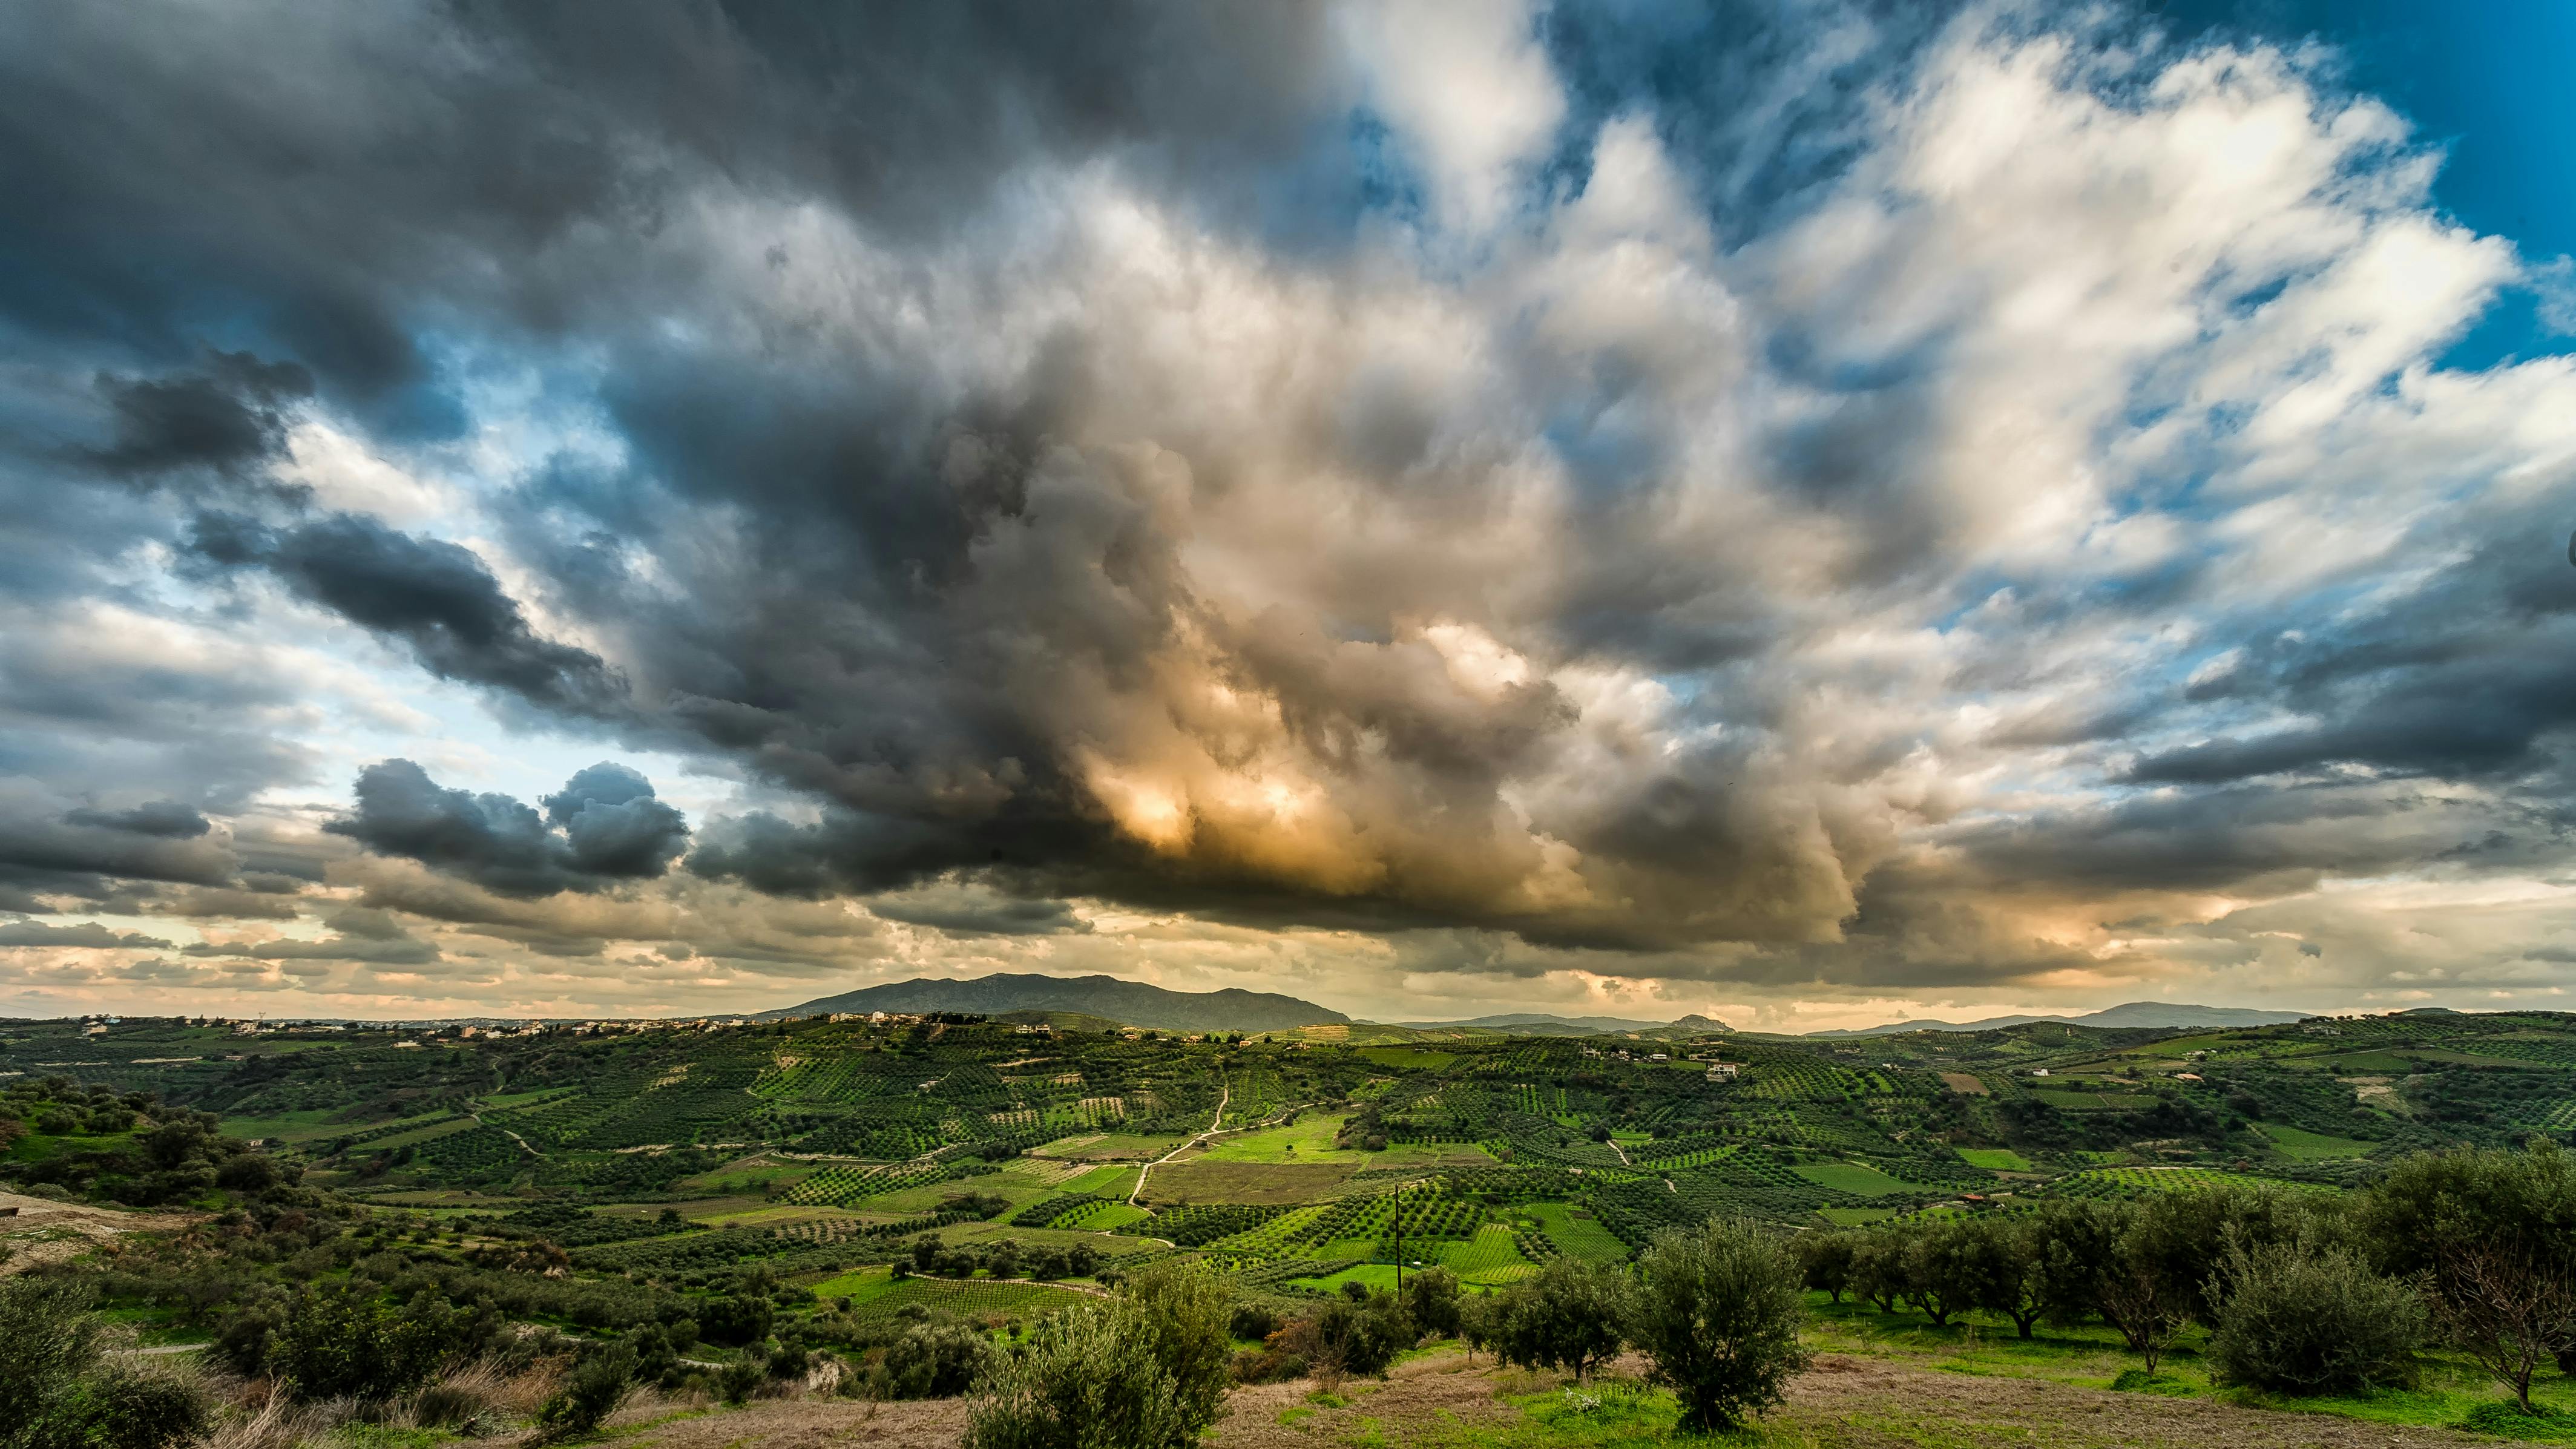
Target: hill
(1535, 1023)
(1134, 1003)
(2127, 1014)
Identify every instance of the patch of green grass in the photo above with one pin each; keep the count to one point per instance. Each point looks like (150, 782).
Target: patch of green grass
(1415, 1058)
(1994, 1159)
(1583, 1236)
(1102, 1182)
(1856, 1178)
(1380, 1277)
(2305, 1146)
(1851, 1217)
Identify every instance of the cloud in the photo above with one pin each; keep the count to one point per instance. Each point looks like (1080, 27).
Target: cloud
(1802, 500)
(604, 828)
(223, 417)
(435, 596)
(88, 935)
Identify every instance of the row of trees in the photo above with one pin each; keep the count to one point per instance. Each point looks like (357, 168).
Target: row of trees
(2300, 1292)
(1715, 1309)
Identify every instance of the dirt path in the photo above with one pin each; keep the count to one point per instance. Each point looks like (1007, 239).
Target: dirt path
(1224, 1094)
(1843, 1403)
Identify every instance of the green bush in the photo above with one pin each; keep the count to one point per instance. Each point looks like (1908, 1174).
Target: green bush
(58, 1390)
(589, 1394)
(1080, 1382)
(1179, 1313)
(741, 1377)
(1717, 1311)
(933, 1361)
(2305, 1320)
(1571, 1314)
(1147, 1370)
(344, 1344)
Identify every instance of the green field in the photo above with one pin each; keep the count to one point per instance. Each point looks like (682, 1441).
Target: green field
(1582, 1236)
(1411, 1058)
(2306, 1146)
(1994, 1159)
(1857, 1178)
(1488, 1257)
(1101, 1182)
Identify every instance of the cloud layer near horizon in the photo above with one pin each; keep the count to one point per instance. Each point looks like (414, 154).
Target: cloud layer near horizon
(1808, 517)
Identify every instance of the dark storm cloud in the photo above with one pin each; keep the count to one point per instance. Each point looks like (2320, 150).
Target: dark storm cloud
(430, 594)
(166, 818)
(961, 910)
(605, 827)
(2467, 677)
(360, 934)
(88, 935)
(74, 849)
(230, 413)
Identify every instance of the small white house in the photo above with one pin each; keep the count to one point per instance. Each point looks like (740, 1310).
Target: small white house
(1724, 1071)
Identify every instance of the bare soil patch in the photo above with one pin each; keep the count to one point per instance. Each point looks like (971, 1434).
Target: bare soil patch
(46, 1231)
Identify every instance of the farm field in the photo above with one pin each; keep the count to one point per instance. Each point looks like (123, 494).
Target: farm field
(1211, 1180)
(1856, 1178)
(770, 1158)
(2311, 1146)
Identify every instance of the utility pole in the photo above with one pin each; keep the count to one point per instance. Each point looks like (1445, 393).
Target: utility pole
(1399, 1241)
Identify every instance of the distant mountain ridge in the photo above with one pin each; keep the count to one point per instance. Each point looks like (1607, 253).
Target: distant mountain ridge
(2127, 1013)
(1135, 1003)
(1539, 1023)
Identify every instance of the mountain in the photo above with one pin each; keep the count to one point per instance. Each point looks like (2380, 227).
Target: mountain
(2127, 1014)
(1133, 1002)
(1539, 1023)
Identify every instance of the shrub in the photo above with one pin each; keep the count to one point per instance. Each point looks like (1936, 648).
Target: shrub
(735, 1321)
(1081, 1382)
(57, 1392)
(589, 1394)
(740, 1378)
(1571, 1314)
(1179, 1314)
(933, 1361)
(2304, 1320)
(1145, 1371)
(1350, 1338)
(345, 1344)
(1718, 1312)
(1254, 1321)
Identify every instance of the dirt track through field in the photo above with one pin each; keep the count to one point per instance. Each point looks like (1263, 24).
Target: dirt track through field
(1843, 1403)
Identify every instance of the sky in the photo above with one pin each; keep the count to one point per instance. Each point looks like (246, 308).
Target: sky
(1803, 512)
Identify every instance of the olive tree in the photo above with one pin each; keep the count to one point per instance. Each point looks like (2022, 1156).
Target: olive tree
(1571, 1314)
(1146, 1370)
(2489, 1239)
(1717, 1311)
